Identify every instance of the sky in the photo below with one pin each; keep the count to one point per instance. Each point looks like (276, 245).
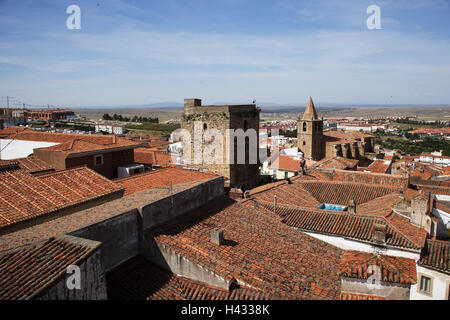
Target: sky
(130, 52)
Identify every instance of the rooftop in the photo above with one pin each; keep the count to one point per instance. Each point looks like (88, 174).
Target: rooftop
(152, 157)
(161, 178)
(24, 196)
(69, 143)
(359, 265)
(436, 255)
(286, 162)
(379, 166)
(27, 272)
(139, 279)
(81, 219)
(400, 234)
(34, 165)
(338, 163)
(258, 252)
(310, 111)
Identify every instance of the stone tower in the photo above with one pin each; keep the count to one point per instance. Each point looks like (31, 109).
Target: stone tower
(222, 120)
(310, 134)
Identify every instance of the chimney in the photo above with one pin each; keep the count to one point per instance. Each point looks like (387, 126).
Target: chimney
(379, 233)
(275, 204)
(351, 208)
(217, 236)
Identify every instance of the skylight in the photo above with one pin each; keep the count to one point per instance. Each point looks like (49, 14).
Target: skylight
(334, 207)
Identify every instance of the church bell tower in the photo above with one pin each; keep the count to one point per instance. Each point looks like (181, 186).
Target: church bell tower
(310, 134)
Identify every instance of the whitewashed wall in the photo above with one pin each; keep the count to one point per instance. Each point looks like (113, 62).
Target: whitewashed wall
(440, 286)
(20, 148)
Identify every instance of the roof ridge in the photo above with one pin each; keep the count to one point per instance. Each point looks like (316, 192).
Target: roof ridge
(401, 233)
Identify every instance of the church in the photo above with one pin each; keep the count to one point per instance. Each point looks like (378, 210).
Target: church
(317, 144)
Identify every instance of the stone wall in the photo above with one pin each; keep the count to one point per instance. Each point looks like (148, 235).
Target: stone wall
(121, 235)
(198, 119)
(93, 283)
(389, 290)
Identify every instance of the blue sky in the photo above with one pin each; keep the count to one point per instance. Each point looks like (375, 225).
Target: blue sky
(138, 52)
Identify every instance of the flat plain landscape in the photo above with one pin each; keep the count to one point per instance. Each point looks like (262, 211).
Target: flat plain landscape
(285, 112)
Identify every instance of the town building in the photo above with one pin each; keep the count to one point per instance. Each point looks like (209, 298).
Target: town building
(102, 153)
(48, 114)
(226, 121)
(317, 144)
(110, 128)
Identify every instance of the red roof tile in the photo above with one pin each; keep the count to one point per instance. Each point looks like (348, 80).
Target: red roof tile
(161, 178)
(23, 196)
(152, 157)
(348, 225)
(258, 251)
(27, 272)
(358, 296)
(34, 165)
(139, 279)
(72, 143)
(286, 162)
(436, 255)
(361, 265)
(379, 166)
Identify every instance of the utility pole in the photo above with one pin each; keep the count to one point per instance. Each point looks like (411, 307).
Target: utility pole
(7, 100)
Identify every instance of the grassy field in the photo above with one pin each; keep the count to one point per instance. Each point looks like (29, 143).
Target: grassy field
(153, 129)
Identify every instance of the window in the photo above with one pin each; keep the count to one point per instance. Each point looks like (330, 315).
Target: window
(205, 126)
(98, 160)
(304, 142)
(286, 174)
(425, 284)
(304, 126)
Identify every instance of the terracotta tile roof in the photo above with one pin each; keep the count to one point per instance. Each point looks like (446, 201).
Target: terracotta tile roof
(27, 272)
(161, 178)
(152, 157)
(139, 279)
(287, 194)
(342, 192)
(84, 218)
(348, 225)
(403, 225)
(379, 206)
(23, 196)
(436, 255)
(258, 251)
(73, 143)
(358, 296)
(379, 166)
(34, 165)
(286, 162)
(361, 265)
(338, 163)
